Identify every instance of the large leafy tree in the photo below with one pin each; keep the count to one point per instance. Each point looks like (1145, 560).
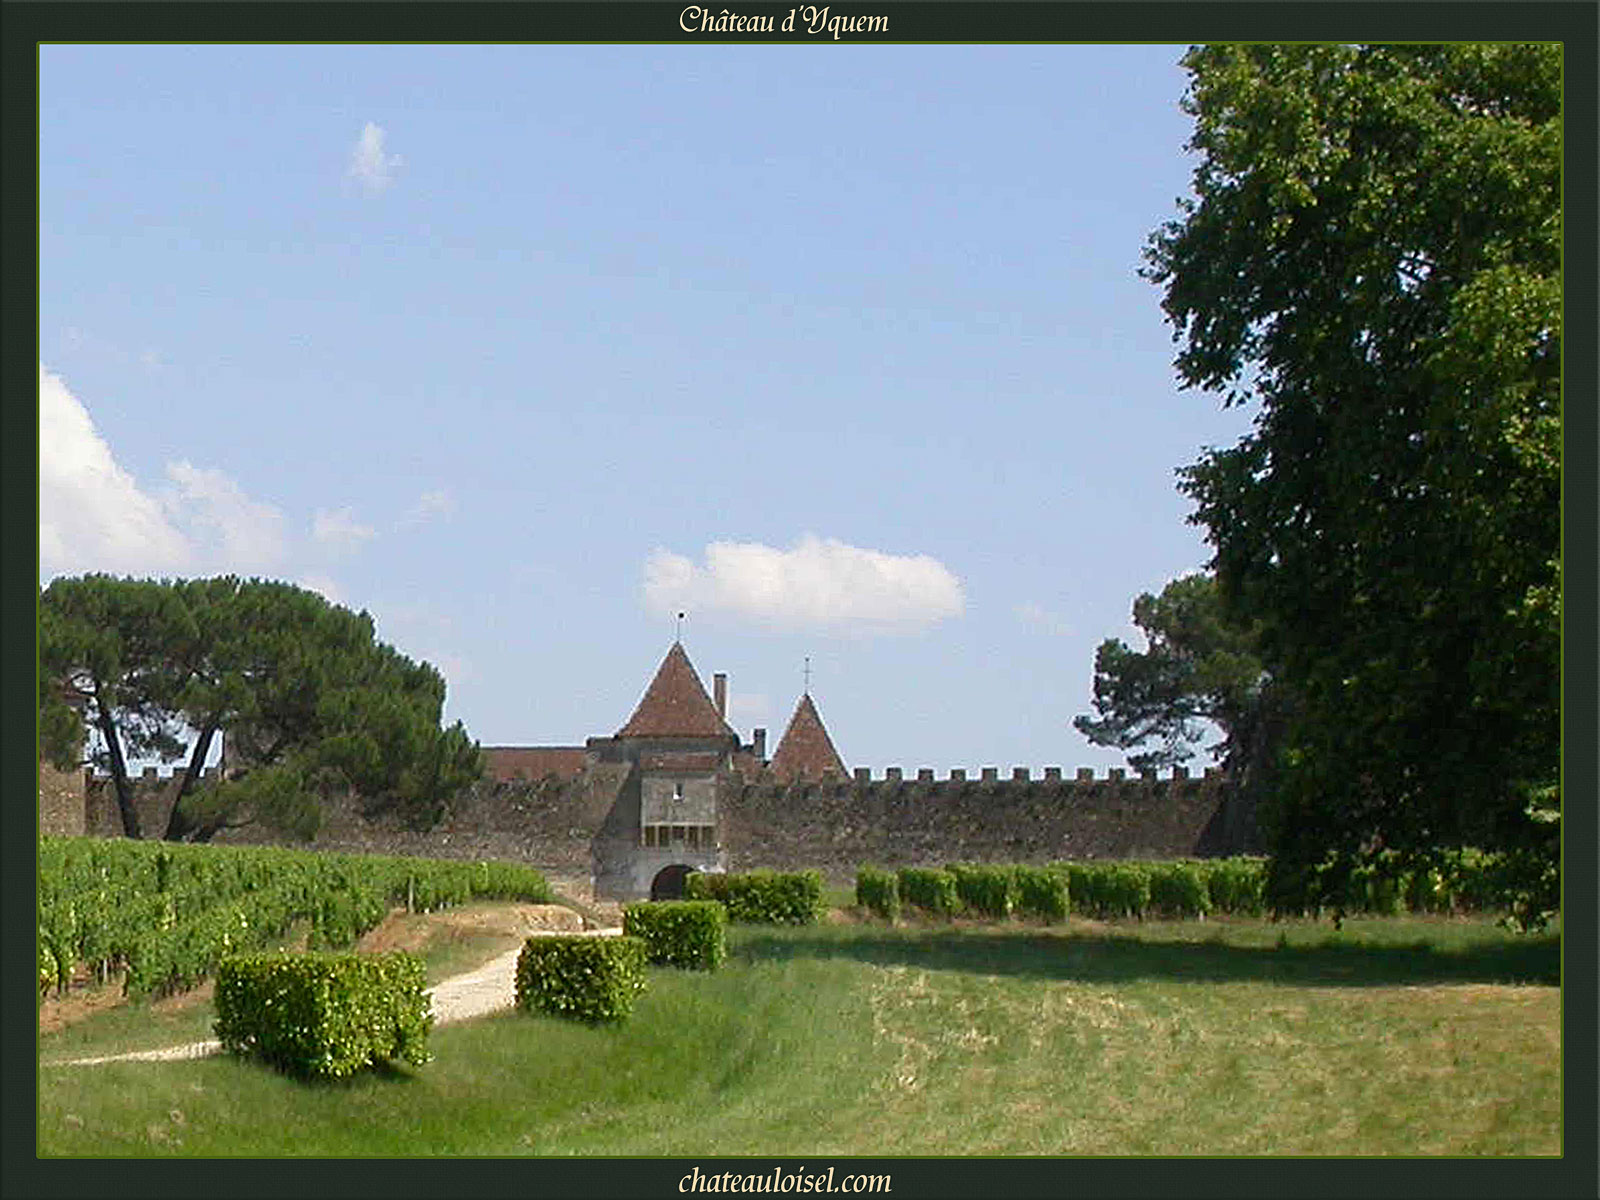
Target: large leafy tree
(1198, 671)
(305, 698)
(1373, 259)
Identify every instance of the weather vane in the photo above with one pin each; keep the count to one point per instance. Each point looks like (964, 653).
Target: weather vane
(808, 675)
(680, 627)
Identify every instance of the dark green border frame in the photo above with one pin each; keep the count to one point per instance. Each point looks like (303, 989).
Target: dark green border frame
(24, 25)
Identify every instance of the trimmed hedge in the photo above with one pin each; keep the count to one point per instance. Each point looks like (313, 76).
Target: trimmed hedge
(1109, 889)
(985, 890)
(762, 897)
(324, 1015)
(581, 977)
(1178, 889)
(1042, 893)
(878, 892)
(1236, 885)
(692, 934)
(930, 889)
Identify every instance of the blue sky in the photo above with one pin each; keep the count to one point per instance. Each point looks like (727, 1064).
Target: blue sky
(523, 349)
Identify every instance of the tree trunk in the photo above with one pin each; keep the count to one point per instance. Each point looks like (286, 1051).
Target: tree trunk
(179, 824)
(119, 770)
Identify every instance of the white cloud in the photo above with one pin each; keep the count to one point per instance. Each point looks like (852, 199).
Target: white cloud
(339, 530)
(436, 503)
(817, 582)
(369, 165)
(93, 516)
(240, 534)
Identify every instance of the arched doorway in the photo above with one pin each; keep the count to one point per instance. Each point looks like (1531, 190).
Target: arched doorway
(668, 883)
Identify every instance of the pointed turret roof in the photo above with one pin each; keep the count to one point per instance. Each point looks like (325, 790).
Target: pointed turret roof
(675, 704)
(806, 751)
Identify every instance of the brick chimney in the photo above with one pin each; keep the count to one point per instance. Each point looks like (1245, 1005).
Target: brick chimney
(719, 694)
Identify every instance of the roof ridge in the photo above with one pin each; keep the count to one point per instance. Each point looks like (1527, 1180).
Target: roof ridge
(805, 749)
(676, 704)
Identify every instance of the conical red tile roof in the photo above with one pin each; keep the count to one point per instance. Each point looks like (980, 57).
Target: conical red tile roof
(806, 751)
(675, 704)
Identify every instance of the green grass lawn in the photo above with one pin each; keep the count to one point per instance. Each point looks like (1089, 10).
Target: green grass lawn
(1400, 1036)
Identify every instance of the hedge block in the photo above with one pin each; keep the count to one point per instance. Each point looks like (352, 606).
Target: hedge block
(1042, 893)
(762, 897)
(986, 891)
(324, 1015)
(1178, 890)
(581, 977)
(680, 933)
(929, 889)
(878, 892)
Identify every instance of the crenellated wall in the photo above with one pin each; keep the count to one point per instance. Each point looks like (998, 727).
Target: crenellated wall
(574, 826)
(899, 821)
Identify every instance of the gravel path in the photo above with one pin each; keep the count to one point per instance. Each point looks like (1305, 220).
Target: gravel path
(488, 989)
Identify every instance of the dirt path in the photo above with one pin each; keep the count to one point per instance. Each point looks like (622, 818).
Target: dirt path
(489, 988)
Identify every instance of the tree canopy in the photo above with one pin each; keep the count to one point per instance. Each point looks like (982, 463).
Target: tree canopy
(306, 699)
(1198, 669)
(1372, 257)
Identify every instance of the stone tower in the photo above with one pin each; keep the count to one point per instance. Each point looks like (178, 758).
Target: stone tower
(677, 747)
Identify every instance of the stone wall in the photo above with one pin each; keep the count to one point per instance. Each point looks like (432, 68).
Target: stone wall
(560, 826)
(894, 822)
(63, 802)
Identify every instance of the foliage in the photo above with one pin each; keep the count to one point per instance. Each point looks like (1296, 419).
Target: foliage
(930, 889)
(324, 1016)
(1235, 885)
(878, 892)
(1042, 893)
(986, 890)
(168, 913)
(1109, 889)
(581, 977)
(762, 897)
(692, 934)
(1199, 667)
(306, 699)
(1373, 257)
(1178, 889)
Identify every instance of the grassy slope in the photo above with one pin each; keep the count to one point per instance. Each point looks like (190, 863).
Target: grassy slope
(1391, 1037)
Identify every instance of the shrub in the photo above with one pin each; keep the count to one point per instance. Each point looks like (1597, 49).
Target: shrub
(1236, 885)
(1109, 889)
(1178, 889)
(680, 933)
(878, 892)
(1426, 890)
(988, 891)
(762, 897)
(930, 889)
(49, 972)
(1042, 893)
(1373, 889)
(582, 977)
(344, 914)
(1477, 880)
(323, 1015)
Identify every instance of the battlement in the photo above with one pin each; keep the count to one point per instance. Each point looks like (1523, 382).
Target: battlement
(1025, 775)
(156, 775)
